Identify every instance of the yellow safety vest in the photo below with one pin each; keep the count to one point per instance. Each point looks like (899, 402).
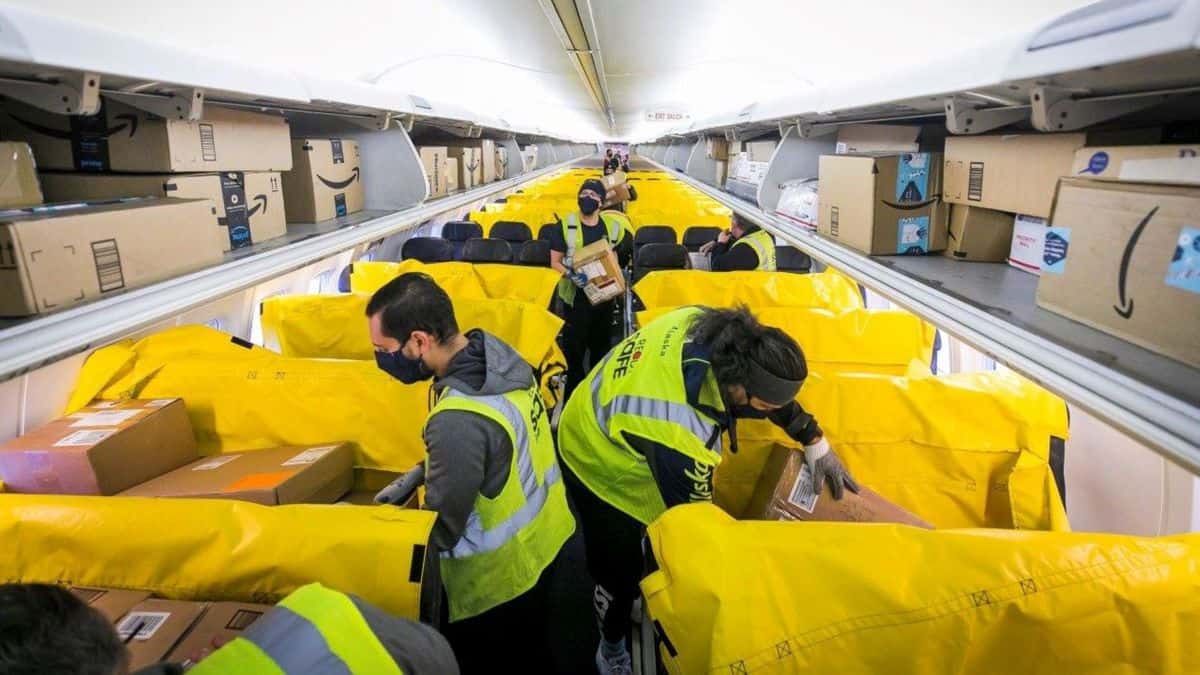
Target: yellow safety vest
(511, 539)
(313, 628)
(763, 243)
(616, 223)
(639, 388)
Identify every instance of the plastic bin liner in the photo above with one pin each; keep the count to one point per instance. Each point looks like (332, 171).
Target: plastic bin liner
(826, 290)
(883, 341)
(805, 597)
(217, 549)
(967, 450)
(534, 285)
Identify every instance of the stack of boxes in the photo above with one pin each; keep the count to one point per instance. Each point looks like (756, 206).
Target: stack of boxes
(464, 164)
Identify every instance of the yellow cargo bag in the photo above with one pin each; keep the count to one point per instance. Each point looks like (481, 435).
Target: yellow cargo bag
(534, 285)
(827, 290)
(966, 450)
(217, 549)
(883, 341)
(792, 597)
(242, 398)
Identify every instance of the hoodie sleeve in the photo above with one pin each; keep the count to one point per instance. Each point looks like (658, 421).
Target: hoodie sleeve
(461, 446)
(798, 423)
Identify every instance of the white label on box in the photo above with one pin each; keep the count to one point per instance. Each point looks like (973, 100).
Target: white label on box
(160, 402)
(841, 148)
(214, 463)
(310, 455)
(101, 405)
(803, 495)
(593, 269)
(107, 418)
(89, 437)
(141, 625)
(1028, 243)
(1176, 170)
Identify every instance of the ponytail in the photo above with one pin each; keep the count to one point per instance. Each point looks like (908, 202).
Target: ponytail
(738, 344)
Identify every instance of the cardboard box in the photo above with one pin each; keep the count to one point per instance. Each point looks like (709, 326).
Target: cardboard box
(483, 153)
(614, 179)
(61, 255)
(785, 491)
(450, 174)
(501, 162)
(1125, 258)
(1028, 239)
(736, 165)
(978, 234)
(220, 623)
(1015, 173)
(286, 475)
(487, 151)
(617, 195)
(722, 172)
(124, 138)
(470, 166)
(18, 176)
(883, 204)
(153, 628)
(716, 147)
(100, 450)
(760, 151)
(1169, 164)
(877, 138)
(599, 262)
(324, 182)
(113, 603)
(433, 161)
(249, 204)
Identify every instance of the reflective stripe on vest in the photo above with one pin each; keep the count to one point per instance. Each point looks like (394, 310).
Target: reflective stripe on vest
(678, 413)
(763, 244)
(573, 235)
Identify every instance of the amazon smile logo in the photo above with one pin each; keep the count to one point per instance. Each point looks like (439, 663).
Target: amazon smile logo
(260, 206)
(341, 184)
(130, 122)
(1125, 306)
(913, 206)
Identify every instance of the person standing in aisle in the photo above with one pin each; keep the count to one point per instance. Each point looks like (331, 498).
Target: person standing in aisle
(588, 329)
(491, 474)
(744, 246)
(643, 433)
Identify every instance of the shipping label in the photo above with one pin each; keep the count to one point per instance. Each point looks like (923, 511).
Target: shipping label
(803, 494)
(84, 438)
(106, 418)
(310, 455)
(1184, 270)
(141, 625)
(214, 463)
(107, 258)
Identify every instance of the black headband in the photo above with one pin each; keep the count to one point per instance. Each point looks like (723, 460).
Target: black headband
(770, 388)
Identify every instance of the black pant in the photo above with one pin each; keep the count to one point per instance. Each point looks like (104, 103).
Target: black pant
(613, 543)
(512, 633)
(589, 333)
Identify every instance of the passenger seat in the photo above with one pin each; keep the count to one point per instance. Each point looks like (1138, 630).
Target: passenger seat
(487, 251)
(655, 256)
(428, 250)
(653, 234)
(788, 259)
(459, 232)
(699, 235)
(514, 232)
(534, 253)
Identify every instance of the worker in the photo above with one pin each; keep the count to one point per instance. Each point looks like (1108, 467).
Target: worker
(744, 246)
(491, 473)
(612, 161)
(588, 330)
(46, 629)
(643, 433)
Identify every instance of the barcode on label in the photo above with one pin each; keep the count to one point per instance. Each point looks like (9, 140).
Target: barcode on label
(242, 619)
(214, 463)
(108, 265)
(88, 437)
(975, 182)
(310, 455)
(803, 494)
(208, 143)
(833, 220)
(146, 624)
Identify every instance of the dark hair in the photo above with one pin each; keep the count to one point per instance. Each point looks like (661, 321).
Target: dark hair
(412, 302)
(735, 338)
(47, 629)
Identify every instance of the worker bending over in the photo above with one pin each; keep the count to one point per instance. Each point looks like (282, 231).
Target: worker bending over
(587, 329)
(491, 473)
(744, 246)
(643, 433)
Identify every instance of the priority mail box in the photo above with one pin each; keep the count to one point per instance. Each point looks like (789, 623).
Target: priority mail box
(1169, 164)
(1028, 243)
(1125, 258)
(433, 161)
(470, 166)
(324, 181)
(124, 138)
(18, 176)
(153, 627)
(249, 204)
(287, 475)
(59, 255)
(1012, 172)
(877, 138)
(883, 204)
(113, 603)
(101, 450)
(978, 234)
(220, 623)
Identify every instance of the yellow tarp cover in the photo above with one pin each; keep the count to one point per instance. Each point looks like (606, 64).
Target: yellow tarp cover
(788, 597)
(534, 285)
(215, 549)
(826, 290)
(966, 450)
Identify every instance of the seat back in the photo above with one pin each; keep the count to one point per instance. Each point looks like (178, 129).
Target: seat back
(653, 234)
(789, 259)
(544, 232)
(428, 250)
(514, 232)
(699, 235)
(535, 253)
(655, 256)
(487, 251)
(459, 231)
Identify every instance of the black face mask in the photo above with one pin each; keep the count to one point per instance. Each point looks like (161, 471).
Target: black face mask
(747, 412)
(399, 366)
(588, 205)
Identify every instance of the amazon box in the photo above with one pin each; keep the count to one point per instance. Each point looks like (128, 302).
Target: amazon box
(324, 181)
(978, 234)
(450, 174)
(1124, 258)
(100, 450)
(60, 255)
(18, 176)
(113, 603)
(483, 152)
(785, 491)
(501, 162)
(1013, 172)
(883, 204)
(760, 151)
(470, 166)
(287, 475)
(124, 138)
(1168, 164)
(249, 204)
(220, 623)
(153, 628)
(433, 161)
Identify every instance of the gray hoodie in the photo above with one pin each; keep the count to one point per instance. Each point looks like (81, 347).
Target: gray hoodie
(470, 454)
